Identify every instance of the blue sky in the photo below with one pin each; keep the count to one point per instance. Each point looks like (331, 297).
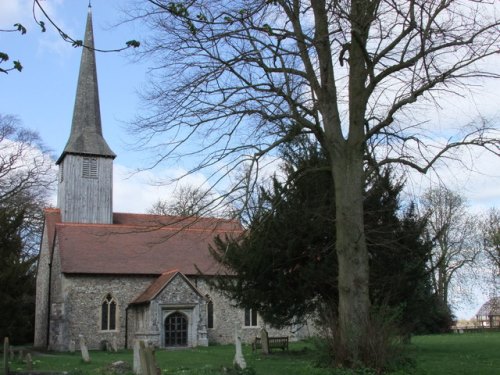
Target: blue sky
(42, 96)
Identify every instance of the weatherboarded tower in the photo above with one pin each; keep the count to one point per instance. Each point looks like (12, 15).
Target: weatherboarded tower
(85, 191)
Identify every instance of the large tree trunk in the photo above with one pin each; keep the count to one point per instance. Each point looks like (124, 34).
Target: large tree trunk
(354, 301)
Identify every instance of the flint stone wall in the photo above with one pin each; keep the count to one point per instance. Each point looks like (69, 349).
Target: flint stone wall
(83, 296)
(226, 315)
(76, 309)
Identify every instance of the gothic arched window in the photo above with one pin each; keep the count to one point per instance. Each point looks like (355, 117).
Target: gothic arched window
(108, 314)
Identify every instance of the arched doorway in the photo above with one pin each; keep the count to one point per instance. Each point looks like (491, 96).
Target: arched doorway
(176, 330)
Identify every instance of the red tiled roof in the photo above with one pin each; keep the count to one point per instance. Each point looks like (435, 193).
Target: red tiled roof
(157, 286)
(140, 244)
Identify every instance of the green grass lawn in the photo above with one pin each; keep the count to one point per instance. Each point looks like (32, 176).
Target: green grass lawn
(468, 354)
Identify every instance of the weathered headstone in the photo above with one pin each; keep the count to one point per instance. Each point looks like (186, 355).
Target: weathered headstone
(151, 360)
(137, 357)
(239, 360)
(143, 358)
(114, 344)
(21, 355)
(6, 349)
(72, 346)
(84, 350)
(29, 362)
(264, 340)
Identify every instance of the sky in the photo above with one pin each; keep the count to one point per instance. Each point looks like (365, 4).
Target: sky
(42, 96)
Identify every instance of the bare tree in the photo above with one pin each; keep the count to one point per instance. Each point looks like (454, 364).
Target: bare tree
(26, 178)
(240, 78)
(455, 234)
(492, 237)
(25, 164)
(491, 241)
(187, 201)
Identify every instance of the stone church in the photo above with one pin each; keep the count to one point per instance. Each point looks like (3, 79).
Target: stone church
(117, 277)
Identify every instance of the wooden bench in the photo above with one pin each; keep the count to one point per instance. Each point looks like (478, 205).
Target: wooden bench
(273, 343)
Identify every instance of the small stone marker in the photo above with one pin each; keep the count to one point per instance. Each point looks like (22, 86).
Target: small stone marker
(29, 362)
(137, 357)
(264, 340)
(239, 360)
(72, 346)
(84, 350)
(114, 344)
(6, 349)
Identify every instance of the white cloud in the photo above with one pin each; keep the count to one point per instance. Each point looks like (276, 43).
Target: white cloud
(13, 11)
(137, 191)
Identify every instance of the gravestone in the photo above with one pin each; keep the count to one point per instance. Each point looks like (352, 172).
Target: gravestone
(114, 344)
(6, 349)
(137, 357)
(29, 362)
(264, 340)
(72, 346)
(148, 361)
(239, 360)
(84, 350)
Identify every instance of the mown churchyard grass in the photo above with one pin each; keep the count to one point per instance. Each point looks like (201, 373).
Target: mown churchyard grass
(457, 354)
(472, 353)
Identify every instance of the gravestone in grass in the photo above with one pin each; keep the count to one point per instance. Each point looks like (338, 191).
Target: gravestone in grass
(72, 346)
(84, 350)
(239, 360)
(137, 357)
(29, 362)
(264, 340)
(6, 350)
(148, 361)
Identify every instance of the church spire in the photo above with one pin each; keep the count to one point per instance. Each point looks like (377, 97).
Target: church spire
(85, 188)
(86, 130)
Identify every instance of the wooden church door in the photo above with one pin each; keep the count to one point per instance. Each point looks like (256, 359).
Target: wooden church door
(176, 330)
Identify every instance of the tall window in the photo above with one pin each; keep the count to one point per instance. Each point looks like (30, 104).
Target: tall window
(108, 314)
(250, 318)
(89, 169)
(210, 314)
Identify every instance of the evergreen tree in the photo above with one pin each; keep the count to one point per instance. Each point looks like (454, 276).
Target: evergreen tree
(284, 265)
(17, 276)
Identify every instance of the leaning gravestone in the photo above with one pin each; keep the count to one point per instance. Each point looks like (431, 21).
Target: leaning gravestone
(137, 357)
(239, 360)
(84, 350)
(264, 340)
